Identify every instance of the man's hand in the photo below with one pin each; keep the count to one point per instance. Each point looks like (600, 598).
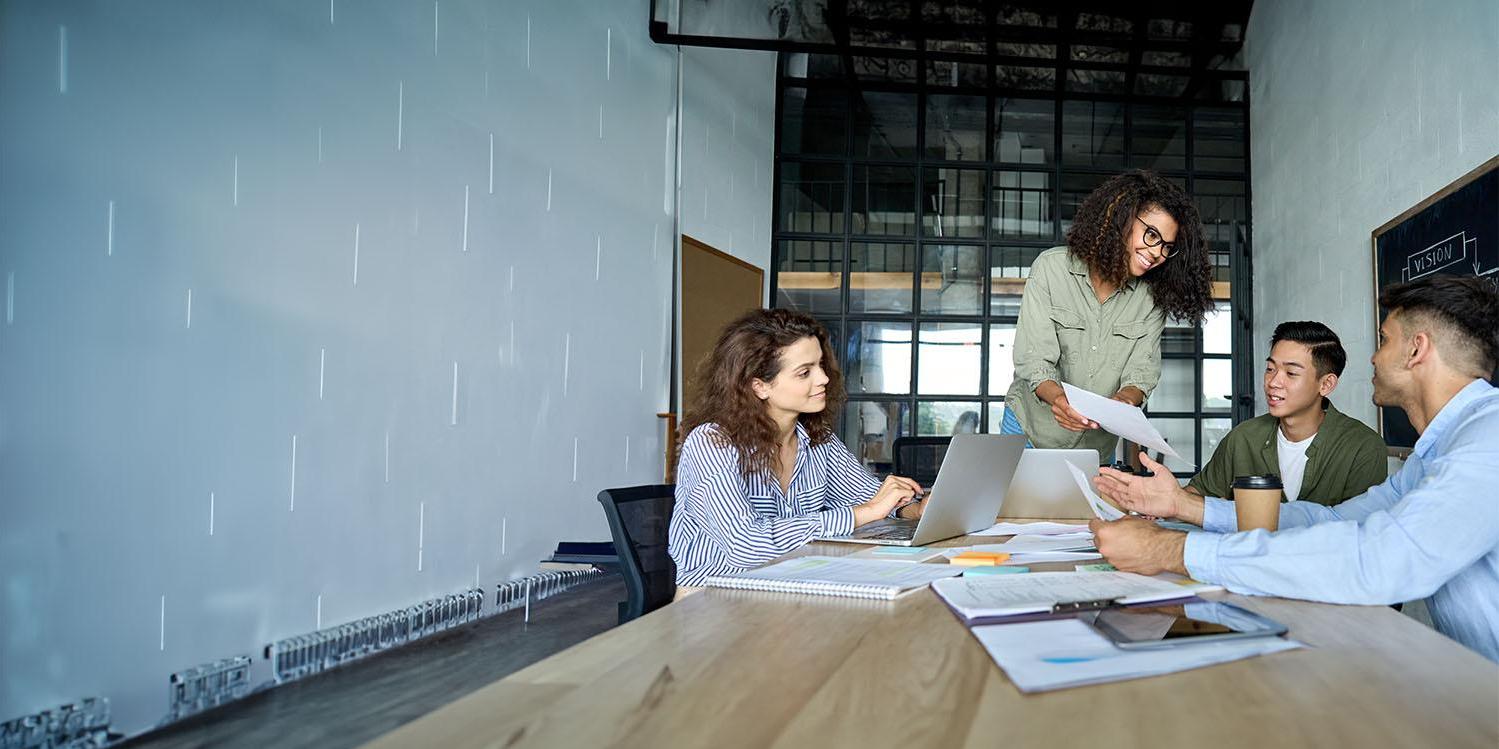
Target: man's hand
(1138, 545)
(1157, 496)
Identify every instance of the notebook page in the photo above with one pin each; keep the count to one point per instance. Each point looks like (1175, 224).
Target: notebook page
(1039, 591)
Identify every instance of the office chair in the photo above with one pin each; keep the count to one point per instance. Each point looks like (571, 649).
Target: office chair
(639, 517)
(918, 458)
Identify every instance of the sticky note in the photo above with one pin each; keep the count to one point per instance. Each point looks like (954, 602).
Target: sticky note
(996, 570)
(979, 558)
(899, 551)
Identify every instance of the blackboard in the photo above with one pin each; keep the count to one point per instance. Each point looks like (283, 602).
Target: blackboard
(1452, 233)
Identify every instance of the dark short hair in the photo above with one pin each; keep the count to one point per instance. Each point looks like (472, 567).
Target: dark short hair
(1328, 355)
(1469, 307)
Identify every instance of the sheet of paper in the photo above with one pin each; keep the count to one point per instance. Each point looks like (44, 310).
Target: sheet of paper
(1036, 557)
(1046, 655)
(1022, 544)
(1102, 509)
(1027, 557)
(1044, 528)
(1039, 591)
(1118, 418)
(852, 571)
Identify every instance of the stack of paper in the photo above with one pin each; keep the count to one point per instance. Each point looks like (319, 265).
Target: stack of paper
(987, 599)
(1045, 655)
(1043, 528)
(1064, 547)
(1024, 544)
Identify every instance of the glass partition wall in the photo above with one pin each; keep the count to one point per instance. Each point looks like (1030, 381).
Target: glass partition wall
(914, 192)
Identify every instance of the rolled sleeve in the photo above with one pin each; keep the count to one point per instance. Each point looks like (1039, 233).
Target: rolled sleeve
(849, 483)
(1219, 515)
(836, 521)
(1200, 556)
(1037, 351)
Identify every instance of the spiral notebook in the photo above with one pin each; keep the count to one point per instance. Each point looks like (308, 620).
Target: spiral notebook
(838, 576)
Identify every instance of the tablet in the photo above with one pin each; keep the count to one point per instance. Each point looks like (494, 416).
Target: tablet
(1138, 627)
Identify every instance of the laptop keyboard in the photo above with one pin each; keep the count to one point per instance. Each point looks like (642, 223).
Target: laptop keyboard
(901, 533)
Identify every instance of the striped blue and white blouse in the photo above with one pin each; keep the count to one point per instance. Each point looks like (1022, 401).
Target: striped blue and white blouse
(724, 522)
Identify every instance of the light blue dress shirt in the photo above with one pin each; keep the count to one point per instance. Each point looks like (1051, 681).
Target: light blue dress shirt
(1432, 529)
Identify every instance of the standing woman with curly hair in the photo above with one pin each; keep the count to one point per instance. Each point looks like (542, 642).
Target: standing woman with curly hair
(1093, 311)
(761, 470)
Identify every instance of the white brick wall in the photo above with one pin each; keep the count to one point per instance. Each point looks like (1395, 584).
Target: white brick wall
(1358, 111)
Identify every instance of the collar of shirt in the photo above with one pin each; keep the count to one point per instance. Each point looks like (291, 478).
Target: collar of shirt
(769, 480)
(1077, 267)
(1449, 415)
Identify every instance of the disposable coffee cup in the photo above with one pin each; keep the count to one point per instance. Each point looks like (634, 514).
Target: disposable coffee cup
(1257, 502)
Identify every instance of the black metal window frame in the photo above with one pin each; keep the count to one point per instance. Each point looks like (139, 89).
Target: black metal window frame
(1056, 170)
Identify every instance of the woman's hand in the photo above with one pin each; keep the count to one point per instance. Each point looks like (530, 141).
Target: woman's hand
(911, 510)
(1068, 418)
(896, 491)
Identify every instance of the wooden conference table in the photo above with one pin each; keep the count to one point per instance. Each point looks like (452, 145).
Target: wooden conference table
(729, 668)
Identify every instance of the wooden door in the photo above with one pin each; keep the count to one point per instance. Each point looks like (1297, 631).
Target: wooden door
(716, 289)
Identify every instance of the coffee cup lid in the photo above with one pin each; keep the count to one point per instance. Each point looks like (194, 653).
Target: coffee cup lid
(1267, 481)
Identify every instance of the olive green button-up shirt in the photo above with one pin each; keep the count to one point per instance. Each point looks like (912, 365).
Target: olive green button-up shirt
(1065, 334)
(1343, 461)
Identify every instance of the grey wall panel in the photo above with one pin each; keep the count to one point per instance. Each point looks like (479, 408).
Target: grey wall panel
(229, 228)
(728, 151)
(1399, 102)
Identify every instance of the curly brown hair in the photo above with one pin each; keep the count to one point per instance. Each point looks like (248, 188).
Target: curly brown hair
(750, 348)
(1182, 286)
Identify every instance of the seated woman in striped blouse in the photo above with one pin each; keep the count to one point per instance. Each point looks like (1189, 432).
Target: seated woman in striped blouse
(761, 470)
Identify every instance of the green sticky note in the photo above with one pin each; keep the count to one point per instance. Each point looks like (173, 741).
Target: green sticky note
(996, 570)
(899, 551)
(1099, 567)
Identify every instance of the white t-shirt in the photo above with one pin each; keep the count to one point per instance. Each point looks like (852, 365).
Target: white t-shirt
(1292, 458)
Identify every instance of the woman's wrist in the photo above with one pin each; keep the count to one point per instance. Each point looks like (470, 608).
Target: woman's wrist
(1048, 392)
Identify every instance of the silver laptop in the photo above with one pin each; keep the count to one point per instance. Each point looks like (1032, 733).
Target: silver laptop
(965, 497)
(1044, 489)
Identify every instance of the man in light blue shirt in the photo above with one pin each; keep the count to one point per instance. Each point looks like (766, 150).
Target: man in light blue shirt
(1432, 529)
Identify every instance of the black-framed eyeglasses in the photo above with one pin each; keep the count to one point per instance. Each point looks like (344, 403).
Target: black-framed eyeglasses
(1153, 238)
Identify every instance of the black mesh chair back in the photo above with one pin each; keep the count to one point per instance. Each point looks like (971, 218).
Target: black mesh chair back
(918, 458)
(639, 517)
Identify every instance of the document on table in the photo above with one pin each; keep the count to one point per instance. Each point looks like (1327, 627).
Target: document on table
(1055, 654)
(1102, 509)
(1038, 592)
(1082, 541)
(1026, 557)
(1117, 417)
(1031, 529)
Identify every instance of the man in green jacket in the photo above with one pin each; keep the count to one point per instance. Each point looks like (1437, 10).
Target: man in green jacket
(1320, 454)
